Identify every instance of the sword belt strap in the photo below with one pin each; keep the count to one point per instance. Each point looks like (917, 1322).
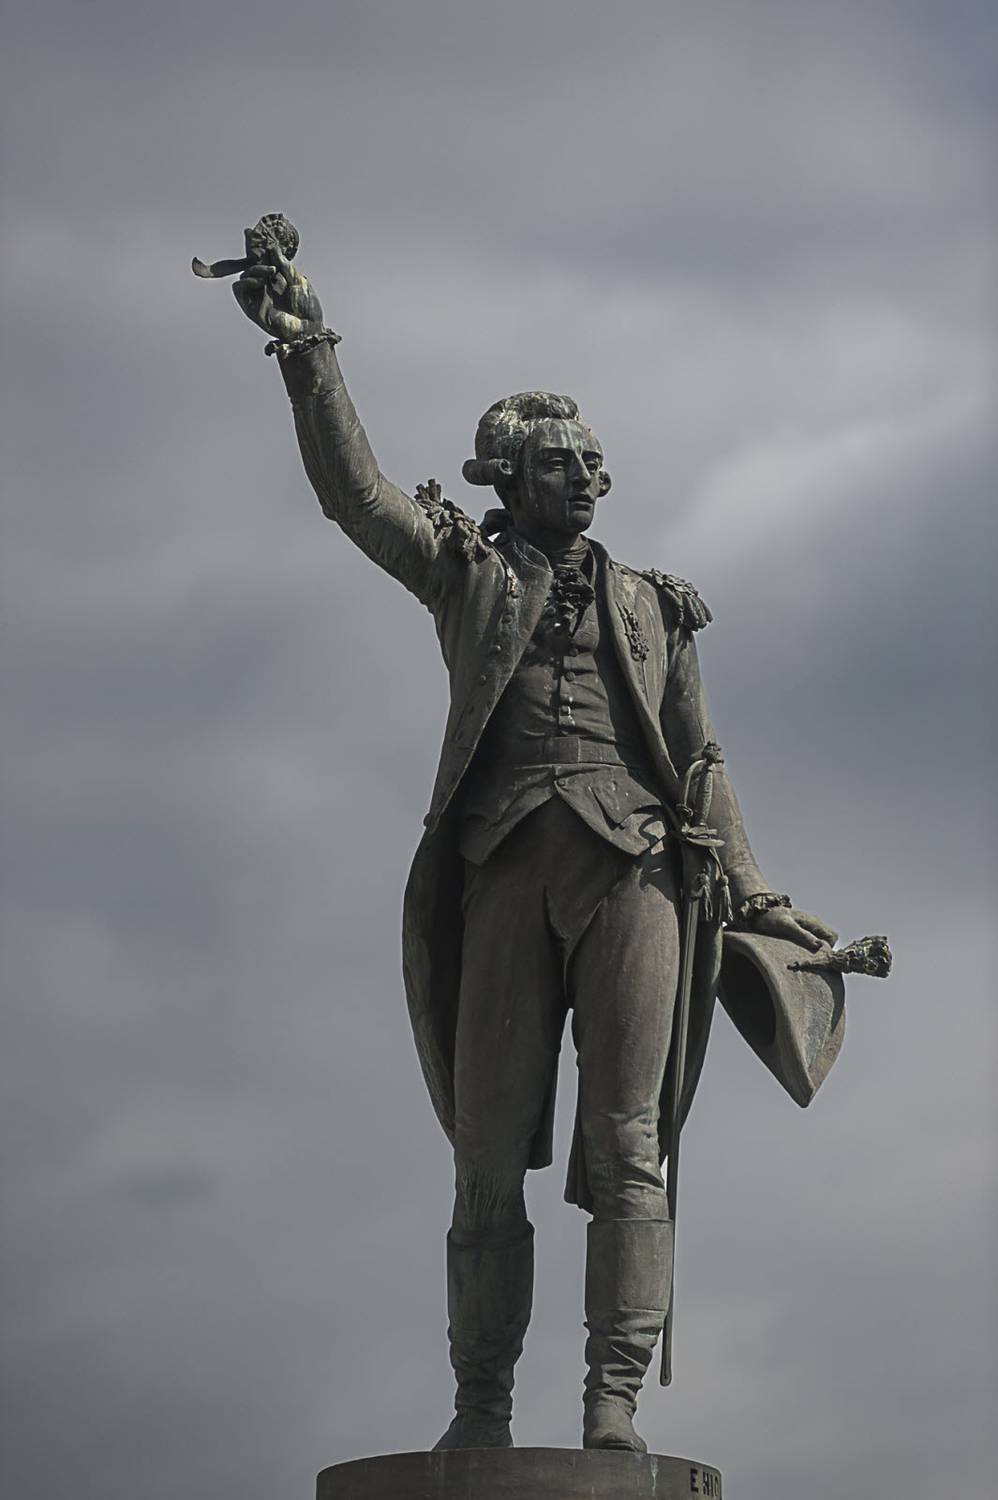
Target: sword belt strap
(571, 750)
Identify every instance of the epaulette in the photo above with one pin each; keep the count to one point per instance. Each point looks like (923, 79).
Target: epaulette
(689, 608)
(460, 533)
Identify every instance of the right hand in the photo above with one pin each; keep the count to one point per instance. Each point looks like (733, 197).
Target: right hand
(278, 299)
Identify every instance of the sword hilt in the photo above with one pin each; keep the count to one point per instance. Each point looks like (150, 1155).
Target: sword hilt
(695, 812)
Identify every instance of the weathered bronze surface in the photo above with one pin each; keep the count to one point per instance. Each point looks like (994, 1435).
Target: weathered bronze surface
(583, 851)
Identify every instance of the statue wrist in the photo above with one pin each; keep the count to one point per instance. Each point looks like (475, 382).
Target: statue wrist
(285, 348)
(754, 906)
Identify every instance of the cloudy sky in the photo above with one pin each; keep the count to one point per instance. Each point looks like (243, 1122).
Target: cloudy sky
(756, 242)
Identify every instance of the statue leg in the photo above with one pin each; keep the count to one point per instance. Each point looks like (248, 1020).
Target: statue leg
(510, 1018)
(622, 978)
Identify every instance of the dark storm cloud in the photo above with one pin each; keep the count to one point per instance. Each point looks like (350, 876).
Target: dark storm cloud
(756, 244)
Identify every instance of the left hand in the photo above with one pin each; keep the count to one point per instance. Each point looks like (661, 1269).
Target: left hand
(795, 927)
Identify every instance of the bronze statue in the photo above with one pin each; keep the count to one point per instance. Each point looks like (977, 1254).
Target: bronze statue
(583, 851)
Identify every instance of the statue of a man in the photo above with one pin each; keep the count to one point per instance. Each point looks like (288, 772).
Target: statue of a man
(548, 877)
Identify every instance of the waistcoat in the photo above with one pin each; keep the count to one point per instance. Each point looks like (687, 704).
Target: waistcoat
(565, 726)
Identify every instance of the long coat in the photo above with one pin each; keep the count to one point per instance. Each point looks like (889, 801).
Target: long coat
(486, 598)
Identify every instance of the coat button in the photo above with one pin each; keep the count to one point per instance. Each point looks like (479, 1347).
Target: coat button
(482, 680)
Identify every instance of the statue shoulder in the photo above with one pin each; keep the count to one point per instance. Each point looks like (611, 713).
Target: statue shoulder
(459, 532)
(683, 600)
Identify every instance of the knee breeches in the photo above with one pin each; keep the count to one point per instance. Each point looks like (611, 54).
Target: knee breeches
(557, 920)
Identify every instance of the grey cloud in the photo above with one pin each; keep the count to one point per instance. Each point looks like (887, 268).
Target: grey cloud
(758, 251)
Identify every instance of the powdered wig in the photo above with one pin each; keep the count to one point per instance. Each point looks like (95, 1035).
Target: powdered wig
(503, 431)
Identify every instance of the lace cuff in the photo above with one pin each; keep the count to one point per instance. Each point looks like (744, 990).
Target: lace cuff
(283, 347)
(754, 906)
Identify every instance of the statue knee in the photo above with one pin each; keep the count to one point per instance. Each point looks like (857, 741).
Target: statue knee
(488, 1197)
(625, 1176)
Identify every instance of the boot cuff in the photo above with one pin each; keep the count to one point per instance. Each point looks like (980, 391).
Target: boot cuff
(489, 1283)
(628, 1265)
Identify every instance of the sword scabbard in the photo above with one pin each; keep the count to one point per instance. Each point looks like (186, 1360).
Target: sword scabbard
(694, 875)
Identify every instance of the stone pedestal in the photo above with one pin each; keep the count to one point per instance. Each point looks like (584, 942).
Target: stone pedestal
(519, 1474)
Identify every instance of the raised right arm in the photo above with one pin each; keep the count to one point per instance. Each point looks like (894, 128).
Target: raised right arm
(387, 524)
(395, 531)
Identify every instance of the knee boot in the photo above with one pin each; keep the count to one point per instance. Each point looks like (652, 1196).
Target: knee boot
(490, 1285)
(628, 1267)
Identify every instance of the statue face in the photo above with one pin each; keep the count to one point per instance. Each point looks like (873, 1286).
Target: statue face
(559, 483)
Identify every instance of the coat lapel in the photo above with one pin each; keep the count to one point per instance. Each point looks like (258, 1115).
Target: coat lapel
(630, 640)
(532, 574)
(635, 637)
(514, 616)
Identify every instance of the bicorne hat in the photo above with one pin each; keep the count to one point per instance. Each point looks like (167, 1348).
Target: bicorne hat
(794, 1020)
